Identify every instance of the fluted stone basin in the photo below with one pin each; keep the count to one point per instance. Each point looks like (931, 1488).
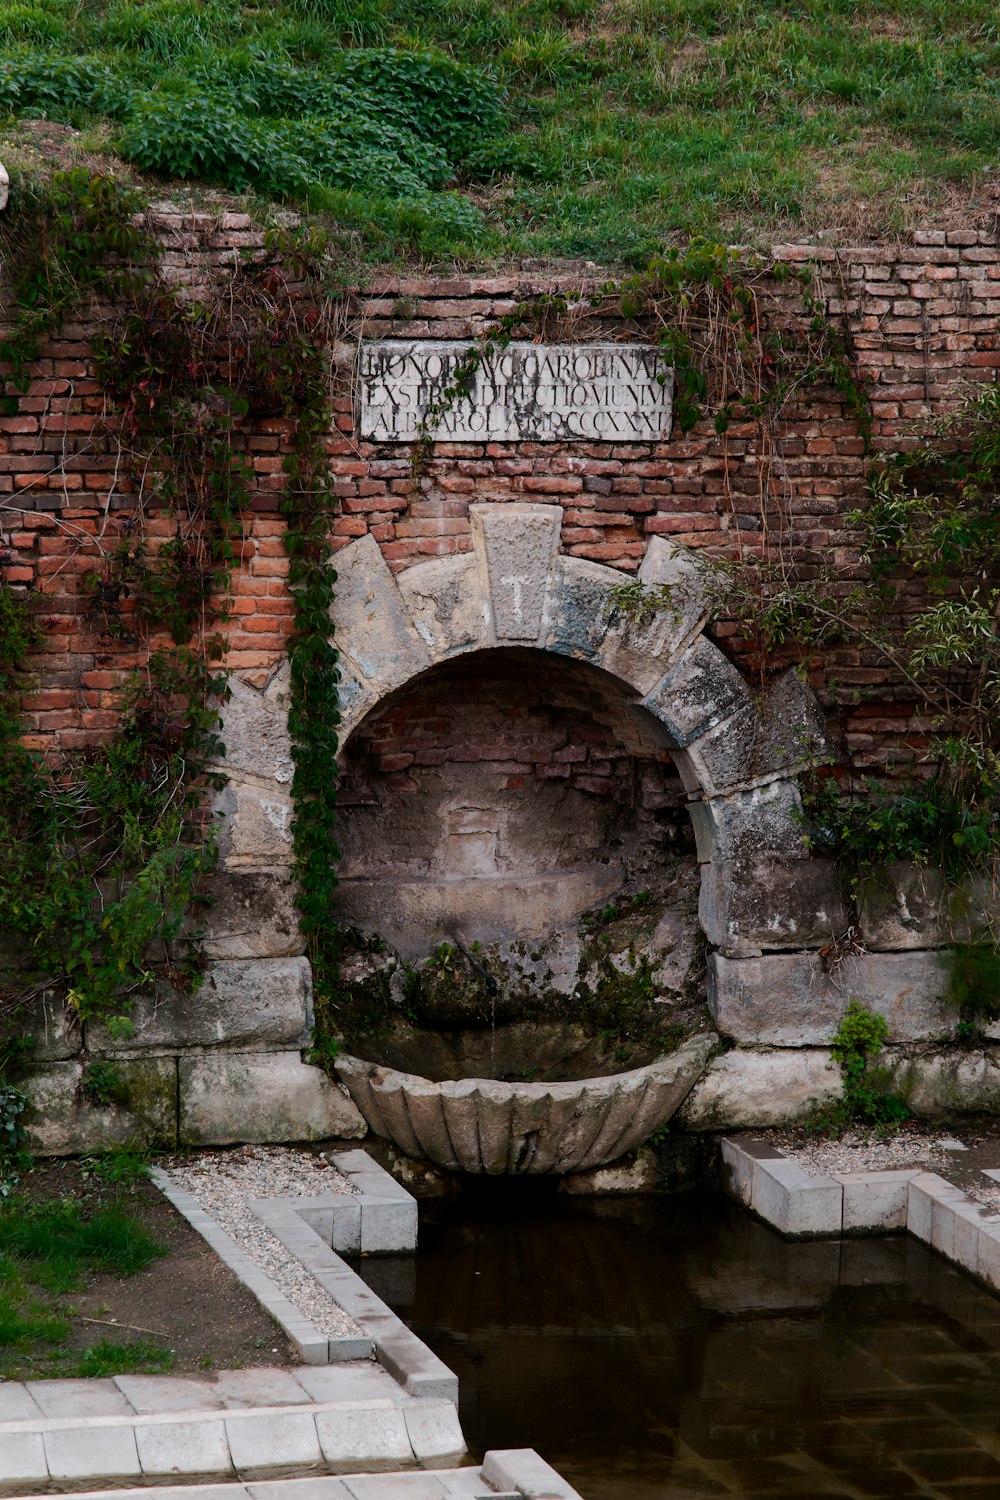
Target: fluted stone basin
(486, 1125)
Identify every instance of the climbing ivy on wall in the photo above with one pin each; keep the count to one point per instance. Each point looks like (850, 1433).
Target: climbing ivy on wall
(103, 853)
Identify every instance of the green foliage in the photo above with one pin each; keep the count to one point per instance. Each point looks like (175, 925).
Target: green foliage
(60, 1242)
(105, 1359)
(12, 1106)
(603, 131)
(103, 1084)
(927, 822)
(974, 987)
(122, 1165)
(867, 1100)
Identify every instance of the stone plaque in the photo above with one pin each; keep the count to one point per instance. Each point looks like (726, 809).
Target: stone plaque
(548, 393)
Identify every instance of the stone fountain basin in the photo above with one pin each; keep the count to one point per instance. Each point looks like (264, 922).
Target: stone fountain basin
(495, 1127)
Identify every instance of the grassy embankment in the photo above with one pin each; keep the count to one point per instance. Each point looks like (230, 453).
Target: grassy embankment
(499, 128)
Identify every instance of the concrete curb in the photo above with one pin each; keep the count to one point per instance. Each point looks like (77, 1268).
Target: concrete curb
(777, 1190)
(406, 1357)
(379, 1217)
(506, 1474)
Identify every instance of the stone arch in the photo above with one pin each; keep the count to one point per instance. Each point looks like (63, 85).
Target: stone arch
(736, 753)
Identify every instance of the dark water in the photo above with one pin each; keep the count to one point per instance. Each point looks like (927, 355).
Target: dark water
(675, 1348)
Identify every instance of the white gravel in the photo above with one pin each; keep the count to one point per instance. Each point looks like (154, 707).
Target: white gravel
(224, 1182)
(861, 1153)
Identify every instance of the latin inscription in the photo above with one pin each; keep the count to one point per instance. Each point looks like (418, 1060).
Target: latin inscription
(615, 393)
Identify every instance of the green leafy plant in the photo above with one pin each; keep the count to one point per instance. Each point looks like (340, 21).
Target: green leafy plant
(867, 1098)
(974, 988)
(103, 1084)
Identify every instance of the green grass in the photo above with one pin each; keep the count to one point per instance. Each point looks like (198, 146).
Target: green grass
(47, 1251)
(490, 128)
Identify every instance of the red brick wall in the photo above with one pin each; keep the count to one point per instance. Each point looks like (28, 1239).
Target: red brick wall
(923, 318)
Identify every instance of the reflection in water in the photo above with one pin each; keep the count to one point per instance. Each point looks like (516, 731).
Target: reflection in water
(675, 1348)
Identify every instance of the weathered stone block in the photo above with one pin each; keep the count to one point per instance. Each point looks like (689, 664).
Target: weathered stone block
(255, 827)
(242, 1003)
(775, 903)
(912, 906)
(448, 604)
(518, 543)
(749, 1090)
(255, 734)
(372, 622)
(947, 1083)
(874, 1202)
(765, 820)
(792, 1000)
(53, 1034)
(63, 1122)
(700, 690)
(271, 1096)
(252, 915)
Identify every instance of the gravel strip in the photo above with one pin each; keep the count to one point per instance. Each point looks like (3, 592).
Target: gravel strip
(224, 1182)
(858, 1153)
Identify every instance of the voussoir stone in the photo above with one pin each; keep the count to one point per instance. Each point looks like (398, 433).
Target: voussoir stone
(448, 603)
(518, 544)
(487, 1126)
(373, 626)
(701, 689)
(260, 1096)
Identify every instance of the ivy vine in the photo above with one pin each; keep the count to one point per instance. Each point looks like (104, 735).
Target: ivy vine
(105, 853)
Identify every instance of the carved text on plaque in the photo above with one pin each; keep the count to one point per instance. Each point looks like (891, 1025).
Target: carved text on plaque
(613, 393)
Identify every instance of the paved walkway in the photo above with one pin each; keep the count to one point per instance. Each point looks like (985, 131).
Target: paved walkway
(237, 1422)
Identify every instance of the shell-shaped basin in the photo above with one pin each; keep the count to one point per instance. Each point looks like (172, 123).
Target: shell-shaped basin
(485, 1125)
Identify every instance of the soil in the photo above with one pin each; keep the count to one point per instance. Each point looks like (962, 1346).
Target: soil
(186, 1301)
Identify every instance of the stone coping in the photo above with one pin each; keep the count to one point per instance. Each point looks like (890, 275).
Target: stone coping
(777, 1190)
(380, 1216)
(505, 1474)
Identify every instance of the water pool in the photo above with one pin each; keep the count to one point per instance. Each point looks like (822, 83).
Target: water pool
(675, 1348)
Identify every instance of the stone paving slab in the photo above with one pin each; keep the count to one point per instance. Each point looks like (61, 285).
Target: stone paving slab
(392, 1430)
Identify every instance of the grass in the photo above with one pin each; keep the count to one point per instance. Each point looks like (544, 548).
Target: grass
(47, 1251)
(589, 128)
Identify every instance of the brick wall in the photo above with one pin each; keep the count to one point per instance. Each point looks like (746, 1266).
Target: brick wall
(923, 317)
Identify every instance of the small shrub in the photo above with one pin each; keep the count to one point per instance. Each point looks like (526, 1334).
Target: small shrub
(867, 1099)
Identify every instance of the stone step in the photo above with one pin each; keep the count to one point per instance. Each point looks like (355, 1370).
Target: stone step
(338, 1418)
